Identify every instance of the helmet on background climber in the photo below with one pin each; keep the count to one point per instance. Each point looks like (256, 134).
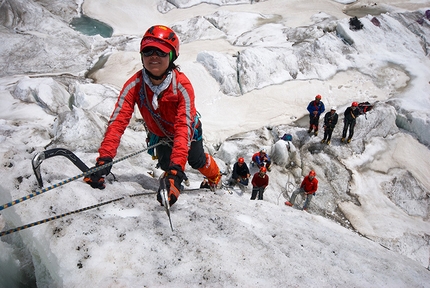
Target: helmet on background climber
(241, 160)
(354, 104)
(312, 173)
(333, 108)
(263, 170)
(318, 97)
(163, 38)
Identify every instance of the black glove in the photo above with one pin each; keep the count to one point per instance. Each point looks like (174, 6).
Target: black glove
(96, 180)
(172, 180)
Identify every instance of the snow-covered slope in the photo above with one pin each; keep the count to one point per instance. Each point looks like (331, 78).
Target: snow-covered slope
(254, 67)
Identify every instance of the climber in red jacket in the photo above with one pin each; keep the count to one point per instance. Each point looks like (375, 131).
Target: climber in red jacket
(165, 99)
(308, 188)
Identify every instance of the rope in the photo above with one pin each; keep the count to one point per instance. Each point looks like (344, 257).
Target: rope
(66, 214)
(91, 171)
(155, 116)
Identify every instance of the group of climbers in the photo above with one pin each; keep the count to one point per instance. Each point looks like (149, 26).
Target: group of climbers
(240, 174)
(260, 181)
(166, 101)
(316, 108)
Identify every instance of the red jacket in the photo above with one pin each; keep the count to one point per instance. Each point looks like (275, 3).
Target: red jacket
(259, 158)
(258, 181)
(310, 186)
(175, 114)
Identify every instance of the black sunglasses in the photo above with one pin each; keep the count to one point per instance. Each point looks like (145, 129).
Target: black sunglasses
(150, 52)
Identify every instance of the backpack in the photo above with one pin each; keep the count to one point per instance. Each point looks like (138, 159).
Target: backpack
(355, 24)
(375, 22)
(364, 107)
(287, 137)
(426, 15)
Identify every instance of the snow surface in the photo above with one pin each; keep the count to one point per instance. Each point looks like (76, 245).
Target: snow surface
(254, 68)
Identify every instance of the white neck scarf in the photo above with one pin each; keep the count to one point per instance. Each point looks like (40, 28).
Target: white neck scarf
(157, 89)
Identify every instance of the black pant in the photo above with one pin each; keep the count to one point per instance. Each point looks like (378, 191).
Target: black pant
(259, 190)
(327, 133)
(351, 125)
(196, 154)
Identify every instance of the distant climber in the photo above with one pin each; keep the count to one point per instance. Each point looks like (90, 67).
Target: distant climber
(308, 188)
(315, 109)
(330, 121)
(260, 181)
(262, 159)
(351, 113)
(240, 174)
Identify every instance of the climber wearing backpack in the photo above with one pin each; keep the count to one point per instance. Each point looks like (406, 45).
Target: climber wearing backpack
(165, 98)
(315, 109)
(351, 113)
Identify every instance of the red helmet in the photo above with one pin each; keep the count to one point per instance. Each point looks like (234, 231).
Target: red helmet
(161, 37)
(312, 173)
(241, 160)
(354, 104)
(318, 97)
(263, 170)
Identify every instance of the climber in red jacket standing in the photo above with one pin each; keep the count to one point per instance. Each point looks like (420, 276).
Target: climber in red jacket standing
(165, 98)
(260, 180)
(308, 187)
